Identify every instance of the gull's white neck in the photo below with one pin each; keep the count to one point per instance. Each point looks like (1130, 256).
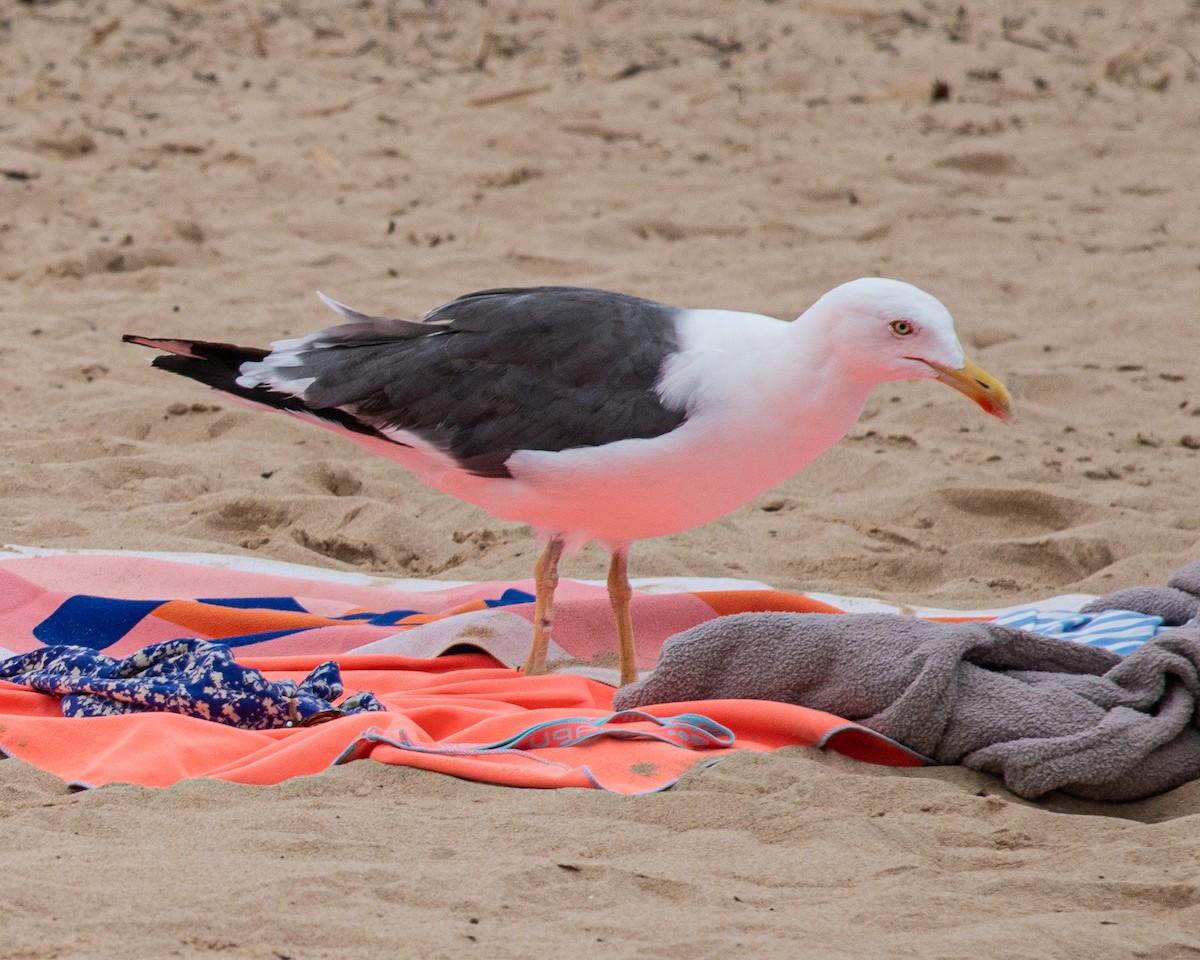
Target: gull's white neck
(788, 381)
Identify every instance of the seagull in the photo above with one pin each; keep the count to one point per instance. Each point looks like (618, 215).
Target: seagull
(593, 415)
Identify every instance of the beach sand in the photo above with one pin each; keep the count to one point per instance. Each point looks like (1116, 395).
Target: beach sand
(200, 169)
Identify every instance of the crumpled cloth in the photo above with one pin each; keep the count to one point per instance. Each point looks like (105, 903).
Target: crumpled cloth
(1043, 713)
(197, 678)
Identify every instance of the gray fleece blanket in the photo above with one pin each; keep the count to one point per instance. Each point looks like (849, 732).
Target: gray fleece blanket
(1045, 714)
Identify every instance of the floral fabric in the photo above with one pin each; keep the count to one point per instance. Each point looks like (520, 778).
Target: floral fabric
(196, 678)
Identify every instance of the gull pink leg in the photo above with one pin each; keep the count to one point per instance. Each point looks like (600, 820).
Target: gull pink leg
(619, 595)
(545, 579)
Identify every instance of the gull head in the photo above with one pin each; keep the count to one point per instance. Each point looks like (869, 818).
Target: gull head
(890, 330)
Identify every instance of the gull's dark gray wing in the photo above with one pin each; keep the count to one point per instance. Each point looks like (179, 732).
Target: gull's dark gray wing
(539, 368)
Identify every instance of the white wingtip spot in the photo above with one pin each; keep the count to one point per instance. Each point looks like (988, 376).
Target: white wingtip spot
(267, 374)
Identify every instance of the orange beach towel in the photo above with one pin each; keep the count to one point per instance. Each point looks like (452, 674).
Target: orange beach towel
(441, 660)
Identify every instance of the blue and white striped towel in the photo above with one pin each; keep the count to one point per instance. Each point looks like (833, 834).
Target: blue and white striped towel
(1117, 630)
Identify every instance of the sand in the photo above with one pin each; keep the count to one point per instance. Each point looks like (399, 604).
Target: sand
(201, 168)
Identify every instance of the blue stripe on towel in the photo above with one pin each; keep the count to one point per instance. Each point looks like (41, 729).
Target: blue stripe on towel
(93, 622)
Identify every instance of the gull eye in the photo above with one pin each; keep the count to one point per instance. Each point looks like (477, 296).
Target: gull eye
(902, 328)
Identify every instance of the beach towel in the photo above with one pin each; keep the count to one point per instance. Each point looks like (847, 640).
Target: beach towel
(125, 642)
(439, 659)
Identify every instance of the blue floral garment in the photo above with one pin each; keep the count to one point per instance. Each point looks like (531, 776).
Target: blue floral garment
(197, 678)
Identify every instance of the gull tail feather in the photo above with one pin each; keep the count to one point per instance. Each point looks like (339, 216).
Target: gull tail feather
(219, 365)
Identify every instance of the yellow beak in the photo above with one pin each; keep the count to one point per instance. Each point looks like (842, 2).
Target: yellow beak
(979, 385)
